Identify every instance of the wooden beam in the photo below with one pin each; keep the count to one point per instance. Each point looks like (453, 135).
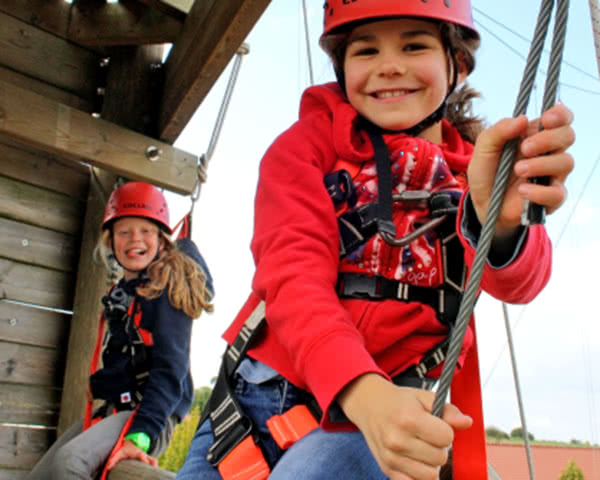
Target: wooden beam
(42, 170)
(46, 90)
(46, 57)
(90, 286)
(49, 15)
(55, 128)
(130, 469)
(212, 33)
(26, 365)
(29, 404)
(33, 205)
(177, 9)
(125, 23)
(37, 246)
(32, 326)
(37, 285)
(23, 447)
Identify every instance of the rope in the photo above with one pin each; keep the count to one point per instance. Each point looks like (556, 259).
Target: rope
(499, 188)
(310, 68)
(212, 144)
(595, 15)
(513, 361)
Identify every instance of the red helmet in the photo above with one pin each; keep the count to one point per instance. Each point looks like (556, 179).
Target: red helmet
(137, 199)
(343, 12)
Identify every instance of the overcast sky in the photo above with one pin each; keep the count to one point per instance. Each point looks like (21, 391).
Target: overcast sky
(557, 336)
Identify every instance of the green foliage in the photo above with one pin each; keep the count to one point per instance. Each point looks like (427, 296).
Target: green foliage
(572, 472)
(174, 457)
(494, 433)
(518, 433)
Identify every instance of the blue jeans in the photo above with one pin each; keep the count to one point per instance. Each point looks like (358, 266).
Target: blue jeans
(319, 455)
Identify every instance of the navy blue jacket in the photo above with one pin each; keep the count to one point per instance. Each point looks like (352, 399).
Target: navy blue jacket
(169, 390)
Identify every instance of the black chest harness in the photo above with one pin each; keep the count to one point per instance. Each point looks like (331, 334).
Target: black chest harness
(235, 450)
(126, 353)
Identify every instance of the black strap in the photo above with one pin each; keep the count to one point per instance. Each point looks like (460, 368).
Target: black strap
(445, 301)
(228, 422)
(384, 220)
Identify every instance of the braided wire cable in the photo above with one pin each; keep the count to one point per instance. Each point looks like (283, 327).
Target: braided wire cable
(558, 46)
(595, 15)
(487, 232)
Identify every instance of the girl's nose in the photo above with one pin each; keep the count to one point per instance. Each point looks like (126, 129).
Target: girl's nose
(391, 66)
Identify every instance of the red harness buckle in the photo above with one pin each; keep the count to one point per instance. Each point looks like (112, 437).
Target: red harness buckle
(288, 428)
(244, 462)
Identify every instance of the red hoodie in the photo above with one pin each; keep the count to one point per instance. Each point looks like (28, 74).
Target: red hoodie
(317, 341)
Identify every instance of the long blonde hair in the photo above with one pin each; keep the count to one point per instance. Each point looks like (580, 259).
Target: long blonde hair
(173, 270)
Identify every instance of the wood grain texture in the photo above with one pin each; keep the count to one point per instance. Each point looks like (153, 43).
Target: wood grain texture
(55, 128)
(37, 246)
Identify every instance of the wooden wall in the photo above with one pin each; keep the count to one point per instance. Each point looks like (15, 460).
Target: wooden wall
(42, 203)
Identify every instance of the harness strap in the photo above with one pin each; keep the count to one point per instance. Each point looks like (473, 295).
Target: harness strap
(444, 301)
(230, 426)
(384, 220)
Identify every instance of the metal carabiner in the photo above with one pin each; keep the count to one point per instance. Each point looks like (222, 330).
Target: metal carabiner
(403, 241)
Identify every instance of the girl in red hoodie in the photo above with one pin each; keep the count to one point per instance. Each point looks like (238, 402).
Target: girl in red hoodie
(359, 275)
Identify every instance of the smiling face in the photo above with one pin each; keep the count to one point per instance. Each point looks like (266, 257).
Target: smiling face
(135, 243)
(396, 73)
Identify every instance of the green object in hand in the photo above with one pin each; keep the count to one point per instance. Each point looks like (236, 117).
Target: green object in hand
(140, 440)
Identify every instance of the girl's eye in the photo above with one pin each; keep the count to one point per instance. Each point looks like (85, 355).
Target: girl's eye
(366, 51)
(413, 47)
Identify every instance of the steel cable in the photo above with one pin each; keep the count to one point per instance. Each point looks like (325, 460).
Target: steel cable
(500, 183)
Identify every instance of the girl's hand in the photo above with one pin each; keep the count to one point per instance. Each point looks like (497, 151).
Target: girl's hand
(407, 441)
(541, 153)
(129, 450)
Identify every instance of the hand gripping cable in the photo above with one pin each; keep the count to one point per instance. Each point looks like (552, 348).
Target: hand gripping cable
(535, 213)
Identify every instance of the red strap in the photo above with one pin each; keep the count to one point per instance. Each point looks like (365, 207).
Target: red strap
(87, 419)
(186, 228)
(469, 448)
(244, 462)
(288, 428)
(146, 335)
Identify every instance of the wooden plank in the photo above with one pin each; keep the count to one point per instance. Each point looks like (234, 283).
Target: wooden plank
(49, 15)
(212, 33)
(32, 326)
(29, 404)
(45, 171)
(13, 474)
(37, 246)
(175, 8)
(55, 128)
(125, 23)
(23, 447)
(46, 90)
(23, 364)
(37, 206)
(40, 286)
(130, 469)
(46, 57)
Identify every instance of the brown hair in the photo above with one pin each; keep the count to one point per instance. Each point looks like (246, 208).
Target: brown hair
(173, 270)
(460, 42)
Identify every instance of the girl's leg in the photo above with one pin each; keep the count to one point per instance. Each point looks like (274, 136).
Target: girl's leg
(81, 457)
(41, 471)
(195, 466)
(321, 454)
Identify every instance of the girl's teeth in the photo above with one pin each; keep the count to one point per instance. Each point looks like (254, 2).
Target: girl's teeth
(395, 93)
